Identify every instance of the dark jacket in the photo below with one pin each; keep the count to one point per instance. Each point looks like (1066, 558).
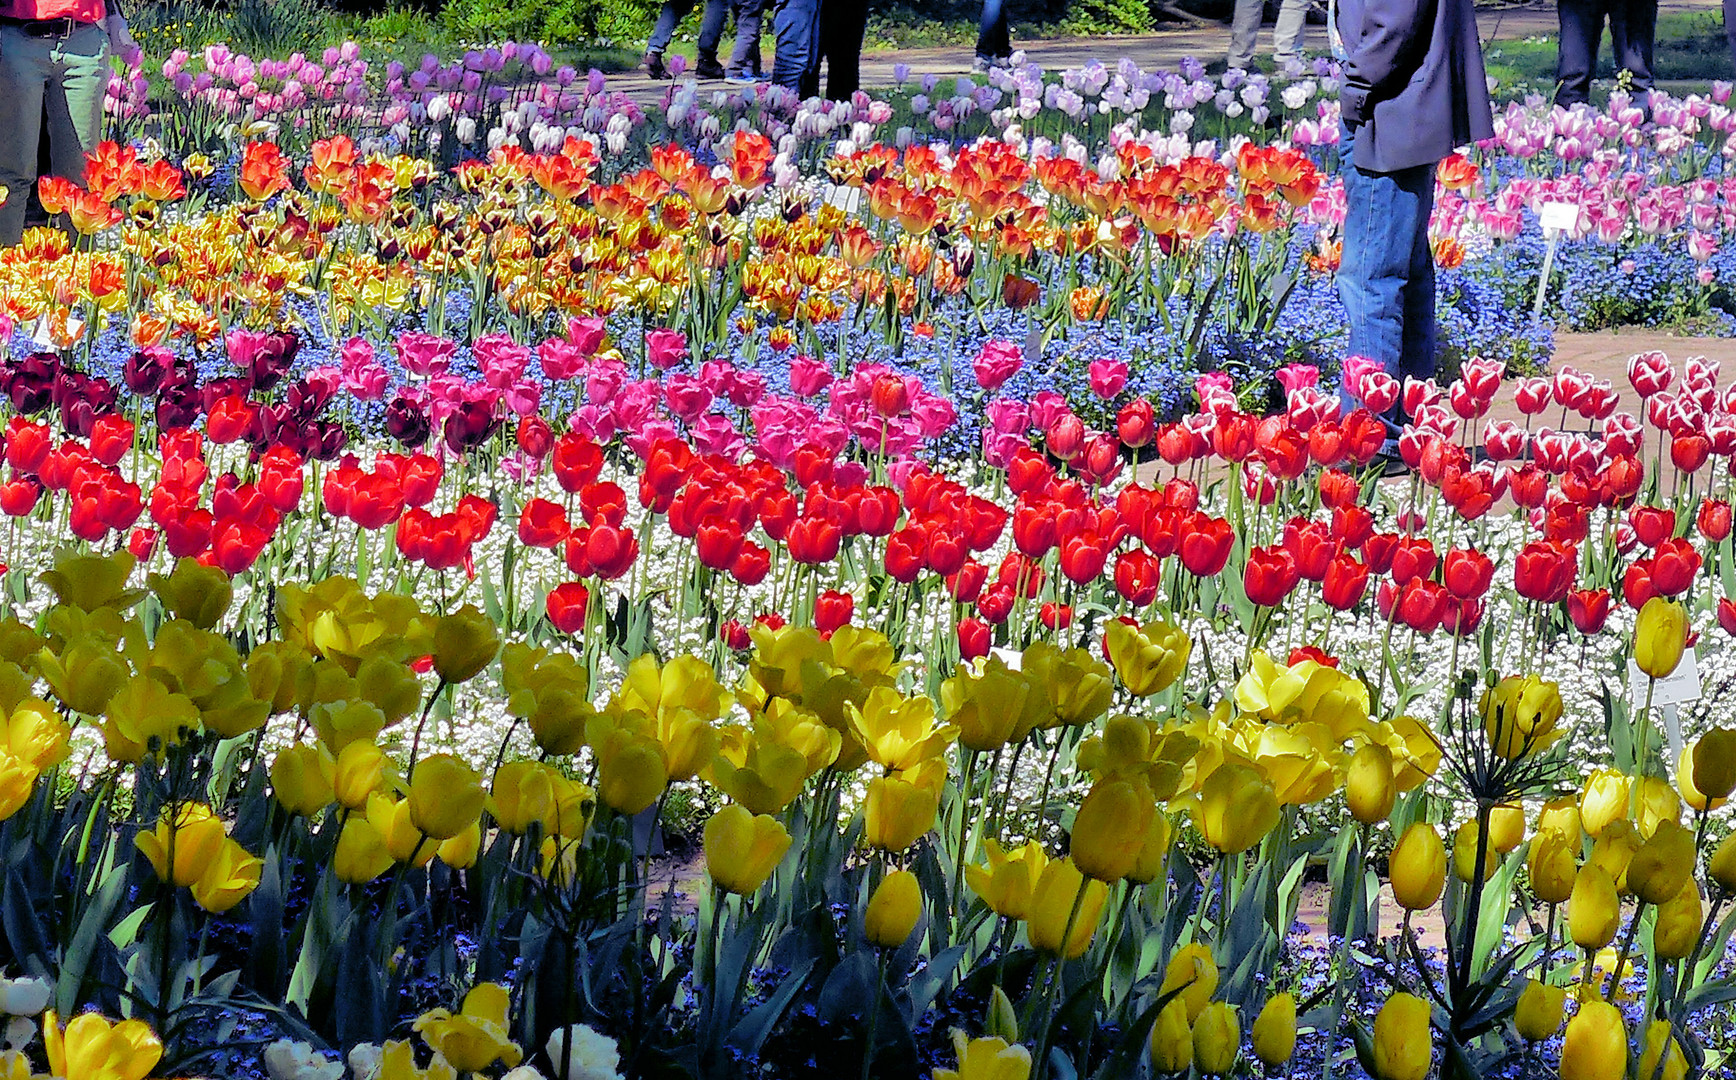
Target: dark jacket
(1414, 89)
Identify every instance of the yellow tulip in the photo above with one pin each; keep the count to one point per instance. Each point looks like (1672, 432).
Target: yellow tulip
(1237, 808)
(742, 849)
(446, 796)
(550, 692)
(757, 771)
(898, 813)
(1148, 658)
(93, 582)
(92, 1048)
(1662, 1058)
(361, 854)
(523, 793)
(1077, 685)
(1538, 1014)
(360, 770)
(1593, 910)
(1008, 880)
(898, 732)
(460, 852)
(184, 842)
(390, 686)
(986, 1059)
(1662, 864)
(145, 716)
(476, 1036)
(1274, 1034)
(1465, 843)
(1520, 714)
(1403, 1044)
(992, 708)
(1721, 867)
(1109, 830)
(1053, 901)
(273, 669)
(228, 879)
(1660, 636)
(631, 772)
(1657, 803)
(1368, 787)
(1551, 866)
(1679, 919)
(343, 723)
(1596, 1046)
(1217, 1039)
(404, 842)
(1714, 770)
(1418, 867)
(1172, 1039)
(574, 806)
(302, 779)
(1561, 816)
(1506, 827)
(1193, 975)
(17, 781)
(893, 910)
(85, 674)
(465, 642)
(1615, 849)
(36, 734)
(1153, 851)
(1605, 800)
(195, 592)
(1685, 770)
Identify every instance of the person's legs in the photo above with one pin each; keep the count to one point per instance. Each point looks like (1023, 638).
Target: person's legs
(1244, 30)
(23, 73)
(1417, 350)
(1633, 27)
(669, 16)
(710, 33)
(797, 28)
(1576, 55)
(1287, 35)
(1384, 214)
(843, 23)
(994, 41)
(749, 14)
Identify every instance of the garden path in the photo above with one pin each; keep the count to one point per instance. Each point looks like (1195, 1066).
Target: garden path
(1163, 49)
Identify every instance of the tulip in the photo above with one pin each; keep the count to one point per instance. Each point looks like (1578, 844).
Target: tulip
(360, 770)
(460, 851)
(1552, 867)
(1109, 830)
(1418, 867)
(1605, 800)
(1596, 1046)
(1679, 919)
(1368, 784)
(898, 813)
(1192, 975)
(1662, 1058)
(1721, 867)
(1172, 1040)
(476, 1036)
(1148, 658)
(1402, 1043)
(361, 854)
(1593, 908)
(1217, 1039)
(1520, 714)
(1714, 768)
(1274, 1034)
(184, 843)
(522, 793)
(1537, 1016)
(1612, 851)
(1506, 827)
(465, 642)
(1466, 840)
(893, 910)
(446, 796)
(742, 849)
(228, 879)
(1660, 637)
(1153, 851)
(1007, 882)
(1662, 865)
(1053, 903)
(1657, 803)
(200, 594)
(93, 1047)
(986, 1059)
(1237, 808)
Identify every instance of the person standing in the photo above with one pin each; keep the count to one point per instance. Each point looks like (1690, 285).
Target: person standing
(54, 72)
(1633, 26)
(711, 22)
(1286, 35)
(809, 31)
(744, 60)
(1413, 92)
(994, 46)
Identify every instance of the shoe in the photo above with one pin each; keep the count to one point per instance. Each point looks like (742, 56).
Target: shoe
(708, 68)
(654, 67)
(982, 65)
(741, 78)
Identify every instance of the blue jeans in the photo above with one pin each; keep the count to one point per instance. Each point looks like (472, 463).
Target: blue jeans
(797, 65)
(993, 39)
(749, 14)
(1386, 277)
(710, 25)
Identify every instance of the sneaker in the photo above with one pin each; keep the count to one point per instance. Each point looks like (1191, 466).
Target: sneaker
(708, 68)
(982, 65)
(654, 67)
(741, 78)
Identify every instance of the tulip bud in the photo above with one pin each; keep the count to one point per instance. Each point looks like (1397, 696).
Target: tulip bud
(1593, 909)
(1714, 772)
(1403, 1046)
(1418, 867)
(1660, 636)
(1052, 907)
(1465, 844)
(1615, 849)
(1506, 827)
(1149, 865)
(1552, 867)
(1538, 1014)
(1109, 829)
(1596, 1046)
(1274, 1034)
(1193, 973)
(1605, 800)
(1662, 864)
(1561, 816)
(1679, 919)
(893, 910)
(361, 854)
(1172, 1040)
(360, 771)
(1721, 868)
(1217, 1039)
(1368, 786)
(1662, 1058)
(459, 852)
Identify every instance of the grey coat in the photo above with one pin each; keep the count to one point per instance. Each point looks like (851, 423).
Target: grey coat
(1414, 89)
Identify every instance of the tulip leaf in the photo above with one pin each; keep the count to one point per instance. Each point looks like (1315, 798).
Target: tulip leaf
(925, 985)
(327, 921)
(1124, 1060)
(75, 962)
(751, 1032)
(24, 934)
(849, 990)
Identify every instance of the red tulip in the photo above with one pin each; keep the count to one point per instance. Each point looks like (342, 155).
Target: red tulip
(906, 554)
(1652, 524)
(996, 602)
(1727, 615)
(566, 606)
(534, 437)
(1083, 557)
(1528, 485)
(542, 524)
(1674, 565)
(111, 437)
(1136, 577)
(610, 550)
(1637, 585)
(1338, 489)
(1689, 452)
(751, 564)
(1467, 573)
(1269, 576)
(973, 639)
(1544, 570)
(890, 395)
(832, 609)
(734, 635)
(1135, 424)
(1055, 616)
(1205, 544)
(577, 461)
(1312, 545)
(1588, 609)
(813, 542)
(142, 543)
(1413, 557)
(1713, 520)
(1310, 652)
(27, 444)
(1345, 582)
(966, 583)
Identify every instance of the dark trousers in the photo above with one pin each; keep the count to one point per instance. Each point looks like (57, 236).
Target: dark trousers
(710, 25)
(842, 24)
(1632, 31)
(749, 14)
(1730, 25)
(809, 31)
(1386, 276)
(993, 39)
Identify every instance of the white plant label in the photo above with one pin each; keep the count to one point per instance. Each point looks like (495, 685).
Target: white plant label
(1559, 216)
(1677, 688)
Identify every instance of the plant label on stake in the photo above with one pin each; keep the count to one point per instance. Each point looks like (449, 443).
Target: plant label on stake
(1677, 688)
(1556, 218)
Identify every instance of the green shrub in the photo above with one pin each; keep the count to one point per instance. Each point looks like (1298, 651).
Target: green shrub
(552, 22)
